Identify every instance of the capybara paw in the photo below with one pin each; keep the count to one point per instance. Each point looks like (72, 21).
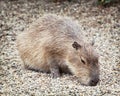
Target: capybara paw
(55, 75)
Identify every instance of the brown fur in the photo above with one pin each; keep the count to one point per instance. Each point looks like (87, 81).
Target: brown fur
(54, 44)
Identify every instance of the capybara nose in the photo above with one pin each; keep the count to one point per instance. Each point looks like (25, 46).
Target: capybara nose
(93, 82)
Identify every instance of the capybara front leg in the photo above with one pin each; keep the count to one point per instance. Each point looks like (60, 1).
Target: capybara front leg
(54, 69)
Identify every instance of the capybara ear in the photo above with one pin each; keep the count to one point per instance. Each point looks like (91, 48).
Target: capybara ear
(76, 45)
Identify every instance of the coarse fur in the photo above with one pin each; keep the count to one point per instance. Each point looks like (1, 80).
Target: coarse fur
(55, 44)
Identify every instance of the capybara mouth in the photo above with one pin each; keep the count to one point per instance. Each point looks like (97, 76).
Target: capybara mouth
(91, 83)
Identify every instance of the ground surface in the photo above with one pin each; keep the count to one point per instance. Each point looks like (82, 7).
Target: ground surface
(101, 23)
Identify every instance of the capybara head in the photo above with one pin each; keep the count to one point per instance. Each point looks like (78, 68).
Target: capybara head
(84, 63)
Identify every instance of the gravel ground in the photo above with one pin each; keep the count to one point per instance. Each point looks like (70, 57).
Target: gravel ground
(100, 23)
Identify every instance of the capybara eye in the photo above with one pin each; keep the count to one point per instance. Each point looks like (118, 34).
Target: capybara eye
(82, 61)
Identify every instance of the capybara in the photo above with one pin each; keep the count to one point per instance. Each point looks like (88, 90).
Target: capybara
(55, 44)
